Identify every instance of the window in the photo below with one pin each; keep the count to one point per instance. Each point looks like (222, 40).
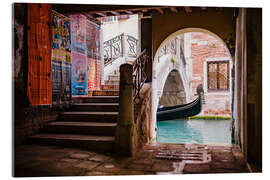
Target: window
(218, 75)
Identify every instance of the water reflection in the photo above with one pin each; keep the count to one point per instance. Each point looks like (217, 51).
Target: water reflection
(194, 131)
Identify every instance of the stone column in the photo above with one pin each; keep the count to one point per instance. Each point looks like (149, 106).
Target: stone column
(189, 68)
(101, 51)
(125, 139)
(124, 46)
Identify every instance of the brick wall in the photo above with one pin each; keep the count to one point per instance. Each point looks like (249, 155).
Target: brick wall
(30, 121)
(208, 48)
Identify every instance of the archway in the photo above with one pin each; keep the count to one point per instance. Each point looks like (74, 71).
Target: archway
(162, 63)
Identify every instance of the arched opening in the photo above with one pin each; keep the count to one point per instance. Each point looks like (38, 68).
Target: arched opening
(204, 59)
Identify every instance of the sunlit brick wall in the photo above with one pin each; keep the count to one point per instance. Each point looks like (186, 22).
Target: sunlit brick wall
(206, 48)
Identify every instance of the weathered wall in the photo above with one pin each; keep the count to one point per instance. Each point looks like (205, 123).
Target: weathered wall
(206, 48)
(146, 43)
(254, 86)
(26, 119)
(115, 28)
(239, 111)
(143, 115)
(220, 23)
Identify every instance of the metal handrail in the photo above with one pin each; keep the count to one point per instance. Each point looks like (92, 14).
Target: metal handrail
(112, 49)
(139, 73)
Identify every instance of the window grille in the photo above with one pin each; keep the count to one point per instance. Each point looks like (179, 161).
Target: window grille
(218, 75)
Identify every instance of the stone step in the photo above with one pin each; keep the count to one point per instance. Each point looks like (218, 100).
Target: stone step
(89, 116)
(99, 107)
(110, 87)
(105, 93)
(97, 99)
(117, 72)
(86, 128)
(100, 143)
(111, 82)
(114, 77)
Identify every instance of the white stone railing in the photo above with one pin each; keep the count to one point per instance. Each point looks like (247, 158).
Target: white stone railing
(122, 45)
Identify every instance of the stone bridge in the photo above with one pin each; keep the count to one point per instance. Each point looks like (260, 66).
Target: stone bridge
(171, 76)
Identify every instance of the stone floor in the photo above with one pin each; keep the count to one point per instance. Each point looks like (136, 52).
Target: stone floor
(36, 160)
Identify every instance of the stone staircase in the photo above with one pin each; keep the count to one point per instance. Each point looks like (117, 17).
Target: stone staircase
(90, 123)
(113, 82)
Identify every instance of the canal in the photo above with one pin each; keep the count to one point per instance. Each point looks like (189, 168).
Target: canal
(194, 131)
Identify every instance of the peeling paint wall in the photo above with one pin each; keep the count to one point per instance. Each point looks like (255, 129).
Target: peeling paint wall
(142, 115)
(26, 119)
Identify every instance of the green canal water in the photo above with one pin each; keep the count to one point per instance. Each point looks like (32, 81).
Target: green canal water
(194, 131)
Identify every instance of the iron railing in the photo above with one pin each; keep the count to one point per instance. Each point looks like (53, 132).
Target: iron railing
(132, 45)
(112, 49)
(115, 47)
(168, 48)
(139, 73)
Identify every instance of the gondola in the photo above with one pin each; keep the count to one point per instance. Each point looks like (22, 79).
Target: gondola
(182, 111)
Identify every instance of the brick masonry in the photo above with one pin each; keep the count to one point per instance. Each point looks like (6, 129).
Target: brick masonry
(205, 47)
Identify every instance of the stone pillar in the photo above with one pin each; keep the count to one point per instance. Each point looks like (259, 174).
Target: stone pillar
(124, 46)
(240, 85)
(101, 52)
(139, 45)
(189, 68)
(145, 40)
(125, 139)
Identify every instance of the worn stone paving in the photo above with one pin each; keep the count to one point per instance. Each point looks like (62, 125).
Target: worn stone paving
(36, 161)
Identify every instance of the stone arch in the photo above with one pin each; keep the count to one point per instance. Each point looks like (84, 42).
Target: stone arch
(173, 92)
(182, 31)
(158, 78)
(165, 24)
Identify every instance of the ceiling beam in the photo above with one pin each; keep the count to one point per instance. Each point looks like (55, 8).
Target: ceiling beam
(174, 9)
(128, 12)
(203, 8)
(88, 15)
(93, 9)
(103, 14)
(115, 13)
(188, 9)
(160, 10)
(144, 10)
